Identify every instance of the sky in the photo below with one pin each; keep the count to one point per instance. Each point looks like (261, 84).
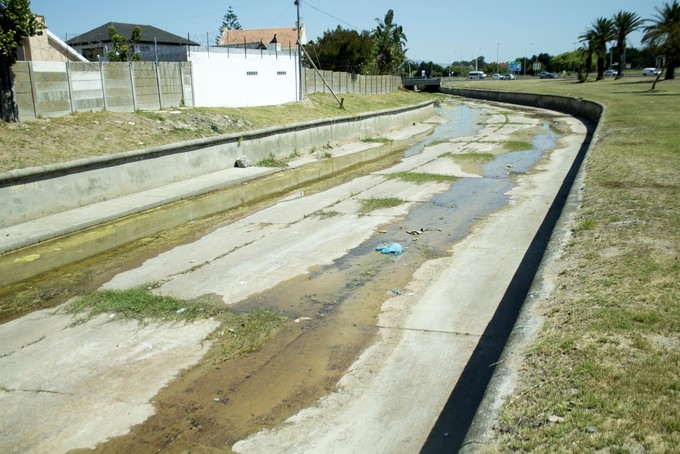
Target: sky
(441, 31)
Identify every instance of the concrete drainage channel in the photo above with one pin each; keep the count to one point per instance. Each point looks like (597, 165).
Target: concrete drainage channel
(466, 395)
(110, 201)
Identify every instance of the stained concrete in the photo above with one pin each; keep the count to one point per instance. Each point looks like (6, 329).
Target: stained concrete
(391, 397)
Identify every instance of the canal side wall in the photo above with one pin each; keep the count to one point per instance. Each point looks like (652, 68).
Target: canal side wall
(573, 106)
(495, 388)
(30, 194)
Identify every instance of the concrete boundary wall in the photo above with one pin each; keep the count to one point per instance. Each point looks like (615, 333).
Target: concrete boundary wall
(238, 80)
(216, 79)
(33, 193)
(55, 89)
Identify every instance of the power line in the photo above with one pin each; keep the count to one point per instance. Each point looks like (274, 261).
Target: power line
(330, 15)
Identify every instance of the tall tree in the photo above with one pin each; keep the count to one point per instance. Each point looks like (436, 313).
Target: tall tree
(16, 23)
(625, 23)
(587, 50)
(342, 50)
(229, 22)
(389, 45)
(122, 48)
(569, 61)
(664, 34)
(599, 34)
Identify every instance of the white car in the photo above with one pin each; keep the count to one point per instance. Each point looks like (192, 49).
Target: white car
(497, 77)
(476, 75)
(611, 73)
(650, 72)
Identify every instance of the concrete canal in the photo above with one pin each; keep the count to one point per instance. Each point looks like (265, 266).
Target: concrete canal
(374, 341)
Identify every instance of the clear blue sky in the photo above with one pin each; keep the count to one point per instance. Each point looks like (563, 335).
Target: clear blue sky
(437, 30)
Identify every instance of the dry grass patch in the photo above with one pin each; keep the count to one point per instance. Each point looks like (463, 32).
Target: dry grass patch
(39, 142)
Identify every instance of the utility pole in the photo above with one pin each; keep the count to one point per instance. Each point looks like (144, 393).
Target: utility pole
(299, 48)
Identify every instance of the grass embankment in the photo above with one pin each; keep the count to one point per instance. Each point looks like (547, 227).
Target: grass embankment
(604, 372)
(56, 140)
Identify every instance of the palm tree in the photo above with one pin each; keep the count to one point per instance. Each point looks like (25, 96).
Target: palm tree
(664, 34)
(390, 41)
(586, 51)
(598, 35)
(625, 23)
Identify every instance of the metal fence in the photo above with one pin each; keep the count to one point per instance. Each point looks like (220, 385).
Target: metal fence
(342, 82)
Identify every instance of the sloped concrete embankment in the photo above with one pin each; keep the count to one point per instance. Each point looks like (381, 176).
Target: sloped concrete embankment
(34, 196)
(465, 424)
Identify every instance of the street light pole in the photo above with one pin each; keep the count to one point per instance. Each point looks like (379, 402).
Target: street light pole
(299, 49)
(525, 59)
(498, 65)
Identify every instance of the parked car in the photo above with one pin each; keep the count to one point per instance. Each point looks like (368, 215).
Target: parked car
(497, 77)
(547, 75)
(611, 73)
(650, 72)
(476, 75)
(509, 77)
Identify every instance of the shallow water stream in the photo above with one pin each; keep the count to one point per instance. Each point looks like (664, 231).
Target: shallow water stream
(334, 308)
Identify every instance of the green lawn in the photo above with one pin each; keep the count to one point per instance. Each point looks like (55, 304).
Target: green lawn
(607, 358)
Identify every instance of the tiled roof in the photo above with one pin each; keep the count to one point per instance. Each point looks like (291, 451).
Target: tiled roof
(149, 33)
(286, 37)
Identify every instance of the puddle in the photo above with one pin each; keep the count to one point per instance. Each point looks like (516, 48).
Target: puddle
(462, 121)
(522, 161)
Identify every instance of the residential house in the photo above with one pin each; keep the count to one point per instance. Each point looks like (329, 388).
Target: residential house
(46, 47)
(264, 38)
(155, 44)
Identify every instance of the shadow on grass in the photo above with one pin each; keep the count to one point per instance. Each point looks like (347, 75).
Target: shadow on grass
(650, 92)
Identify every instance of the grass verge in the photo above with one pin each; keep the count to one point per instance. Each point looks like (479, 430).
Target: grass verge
(139, 304)
(376, 140)
(472, 156)
(272, 161)
(372, 204)
(420, 177)
(602, 373)
(246, 333)
(517, 145)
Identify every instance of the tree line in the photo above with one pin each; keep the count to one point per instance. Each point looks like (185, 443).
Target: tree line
(382, 50)
(377, 51)
(661, 37)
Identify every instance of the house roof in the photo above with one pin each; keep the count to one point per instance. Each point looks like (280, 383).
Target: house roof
(286, 37)
(149, 34)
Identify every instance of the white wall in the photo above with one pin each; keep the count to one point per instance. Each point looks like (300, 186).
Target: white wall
(223, 80)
